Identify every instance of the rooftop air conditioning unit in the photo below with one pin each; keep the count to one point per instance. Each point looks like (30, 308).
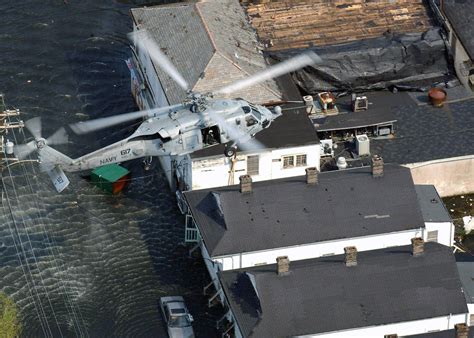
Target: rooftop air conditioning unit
(362, 145)
(326, 148)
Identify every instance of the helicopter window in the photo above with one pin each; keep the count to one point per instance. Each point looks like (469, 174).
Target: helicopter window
(246, 109)
(250, 120)
(211, 135)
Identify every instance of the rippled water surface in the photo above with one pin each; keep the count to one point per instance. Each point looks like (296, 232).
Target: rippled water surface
(82, 263)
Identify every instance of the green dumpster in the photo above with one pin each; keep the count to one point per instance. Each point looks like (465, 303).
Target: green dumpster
(111, 178)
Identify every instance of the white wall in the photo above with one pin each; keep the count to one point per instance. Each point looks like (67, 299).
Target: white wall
(402, 329)
(319, 249)
(445, 232)
(214, 172)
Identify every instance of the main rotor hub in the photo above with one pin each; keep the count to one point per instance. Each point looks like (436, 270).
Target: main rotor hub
(40, 143)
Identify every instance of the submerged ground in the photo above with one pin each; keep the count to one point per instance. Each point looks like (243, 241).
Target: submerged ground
(82, 263)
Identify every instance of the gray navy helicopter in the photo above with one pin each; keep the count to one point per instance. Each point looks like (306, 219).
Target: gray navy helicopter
(198, 122)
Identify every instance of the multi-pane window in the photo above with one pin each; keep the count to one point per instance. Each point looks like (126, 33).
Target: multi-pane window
(300, 160)
(252, 165)
(294, 161)
(288, 161)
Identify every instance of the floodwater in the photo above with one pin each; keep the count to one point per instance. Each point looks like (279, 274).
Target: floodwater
(83, 263)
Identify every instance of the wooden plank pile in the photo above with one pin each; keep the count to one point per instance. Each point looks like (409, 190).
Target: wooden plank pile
(289, 24)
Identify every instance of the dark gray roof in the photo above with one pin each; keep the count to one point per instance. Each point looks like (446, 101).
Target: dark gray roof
(376, 114)
(286, 212)
(425, 133)
(323, 295)
(460, 14)
(466, 272)
(432, 207)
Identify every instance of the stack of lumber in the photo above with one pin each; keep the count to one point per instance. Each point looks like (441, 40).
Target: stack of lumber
(288, 24)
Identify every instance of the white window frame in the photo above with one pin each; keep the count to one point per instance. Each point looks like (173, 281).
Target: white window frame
(293, 160)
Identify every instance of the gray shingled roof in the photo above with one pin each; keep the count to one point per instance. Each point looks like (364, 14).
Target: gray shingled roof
(460, 14)
(466, 272)
(192, 35)
(432, 207)
(286, 212)
(425, 133)
(323, 295)
(171, 27)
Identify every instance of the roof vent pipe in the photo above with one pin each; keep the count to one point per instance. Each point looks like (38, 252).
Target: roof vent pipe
(377, 166)
(283, 265)
(462, 330)
(245, 183)
(418, 246)
(350, 255)
(312, 175)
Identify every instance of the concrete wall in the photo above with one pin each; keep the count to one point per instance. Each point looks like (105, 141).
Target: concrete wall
(452, 176)
(214, 172)
(402, 329)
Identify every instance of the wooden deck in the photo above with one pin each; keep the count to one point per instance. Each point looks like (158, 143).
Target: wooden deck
(289, 24)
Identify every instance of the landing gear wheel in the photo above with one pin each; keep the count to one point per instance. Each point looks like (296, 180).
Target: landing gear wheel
(230, 151)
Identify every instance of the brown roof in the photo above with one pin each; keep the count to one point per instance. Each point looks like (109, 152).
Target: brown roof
(301, 23)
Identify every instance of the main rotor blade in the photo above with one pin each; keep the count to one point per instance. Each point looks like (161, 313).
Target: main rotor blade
(59, 137)
(146, 43)
(279, 69)
(34, 126)
(22, 151)
(97, 124)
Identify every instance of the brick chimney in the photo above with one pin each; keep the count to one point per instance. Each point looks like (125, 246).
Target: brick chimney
(312, 175)
(418, 246)
(377, 166)
(350, 255)
(462, 330)
(245, 183)
(283, 265)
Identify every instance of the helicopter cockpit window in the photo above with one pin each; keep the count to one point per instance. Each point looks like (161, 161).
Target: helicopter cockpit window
(256, 112)
(250, 120)
(246, 109)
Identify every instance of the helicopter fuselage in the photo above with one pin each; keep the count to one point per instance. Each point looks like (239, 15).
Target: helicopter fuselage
(179, 132)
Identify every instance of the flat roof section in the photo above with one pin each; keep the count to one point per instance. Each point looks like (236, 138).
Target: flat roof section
(432, 207)
(379, 113)
(286, 212)
(425, 133)
(323, 295)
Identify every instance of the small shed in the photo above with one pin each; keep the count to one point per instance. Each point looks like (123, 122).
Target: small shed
(111, 178)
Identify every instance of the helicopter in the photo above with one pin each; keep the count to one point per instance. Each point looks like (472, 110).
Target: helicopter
(200, 121)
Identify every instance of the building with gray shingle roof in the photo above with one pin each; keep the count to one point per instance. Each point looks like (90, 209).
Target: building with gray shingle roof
(389, 291)
(210, 42)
